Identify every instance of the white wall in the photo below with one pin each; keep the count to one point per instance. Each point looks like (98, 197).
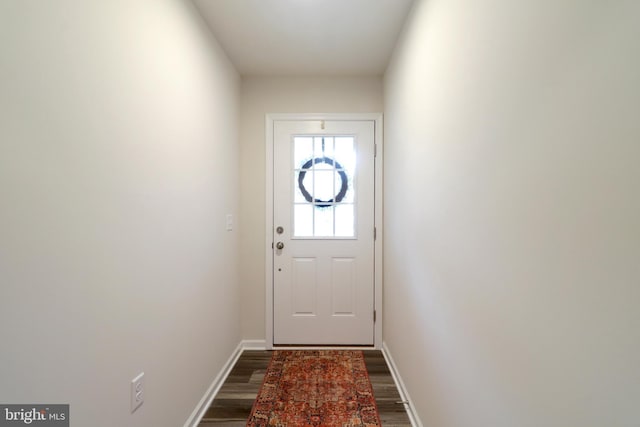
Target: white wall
(512, 219)
(259, 96)
(118, 163)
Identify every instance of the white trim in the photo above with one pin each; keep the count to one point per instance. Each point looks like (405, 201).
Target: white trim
(270, 118)
(404, 394)
(378, 210)
(346, 117)
(321, 347)
(378, 221)
(210, 394)
(215, 386)
(254, 345)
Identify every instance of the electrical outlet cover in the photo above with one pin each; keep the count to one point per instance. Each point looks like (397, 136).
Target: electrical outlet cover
(137, 392)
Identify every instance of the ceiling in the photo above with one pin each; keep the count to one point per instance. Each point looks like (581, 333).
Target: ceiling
(306, 37)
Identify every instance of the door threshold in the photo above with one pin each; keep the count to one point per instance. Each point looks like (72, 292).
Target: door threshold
(322, 347)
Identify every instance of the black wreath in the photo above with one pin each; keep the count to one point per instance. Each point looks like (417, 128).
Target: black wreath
(319, 202)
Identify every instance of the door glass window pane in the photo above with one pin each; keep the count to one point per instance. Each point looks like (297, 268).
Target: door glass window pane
(323, 186)
(323, 189)
(344, 220)
(345, 151)
(303, 149)
(307, 181)
(323, 146)
(323, 222)
(303, 220)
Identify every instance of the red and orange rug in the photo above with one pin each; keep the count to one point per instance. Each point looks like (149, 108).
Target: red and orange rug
(329, 388)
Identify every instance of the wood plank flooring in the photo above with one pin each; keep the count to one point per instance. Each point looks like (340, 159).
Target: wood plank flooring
(232, 405)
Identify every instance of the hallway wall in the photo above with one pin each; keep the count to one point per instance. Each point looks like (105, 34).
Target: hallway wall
(262, 95)
(118, 164)
(512, 212)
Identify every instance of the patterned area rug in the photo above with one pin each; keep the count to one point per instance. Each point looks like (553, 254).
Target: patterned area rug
(328, 388)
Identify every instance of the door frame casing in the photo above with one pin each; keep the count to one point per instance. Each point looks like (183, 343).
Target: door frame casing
(376, 118)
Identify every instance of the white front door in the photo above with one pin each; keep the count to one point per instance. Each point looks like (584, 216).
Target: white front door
(323, 232)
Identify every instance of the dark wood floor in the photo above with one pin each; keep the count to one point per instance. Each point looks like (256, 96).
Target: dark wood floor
(233, 403)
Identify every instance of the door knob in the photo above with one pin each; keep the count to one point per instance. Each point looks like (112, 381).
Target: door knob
(279, 245)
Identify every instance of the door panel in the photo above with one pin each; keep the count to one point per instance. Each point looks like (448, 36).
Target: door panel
(324, 255)
(304, 287)
(343, 286)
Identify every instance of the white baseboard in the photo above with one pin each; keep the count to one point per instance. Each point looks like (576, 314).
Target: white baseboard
(243, 345)
(254, 344)
(404, 395)
(214, 388)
